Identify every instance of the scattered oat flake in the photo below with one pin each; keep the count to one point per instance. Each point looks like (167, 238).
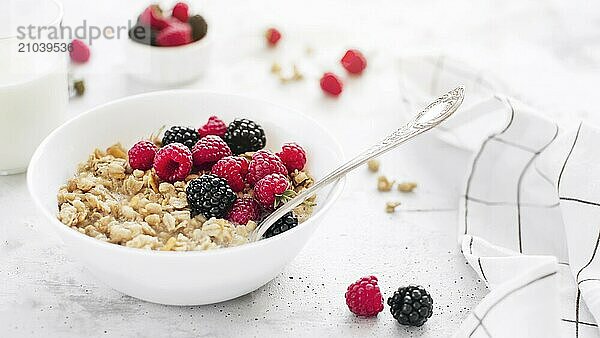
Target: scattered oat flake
(383, 184)
(297, 74)
(275, 68)
(286, 77)
(79, 87)
(390, 207)
(407, 186)
(373, 165)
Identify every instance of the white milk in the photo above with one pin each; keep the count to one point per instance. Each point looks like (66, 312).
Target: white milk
(33, 86)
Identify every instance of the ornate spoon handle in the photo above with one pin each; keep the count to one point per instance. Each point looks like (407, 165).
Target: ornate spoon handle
(431, 116)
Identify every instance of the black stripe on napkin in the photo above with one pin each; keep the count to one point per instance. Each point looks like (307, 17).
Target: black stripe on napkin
(568, 156)
(478, 155)
(520, 183)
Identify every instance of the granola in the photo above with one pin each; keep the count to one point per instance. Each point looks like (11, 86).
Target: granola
(111, 202)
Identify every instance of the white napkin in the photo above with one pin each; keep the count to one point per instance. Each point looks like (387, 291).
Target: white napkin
(529, 217)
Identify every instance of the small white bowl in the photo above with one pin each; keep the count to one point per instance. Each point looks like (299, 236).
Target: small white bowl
(179, 278)
(168, 66)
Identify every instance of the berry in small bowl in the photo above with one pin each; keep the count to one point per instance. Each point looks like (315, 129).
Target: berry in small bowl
(168, 48)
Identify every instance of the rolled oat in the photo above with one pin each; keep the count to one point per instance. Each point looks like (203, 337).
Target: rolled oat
(383, 184)
(407, 186)
(109, 201)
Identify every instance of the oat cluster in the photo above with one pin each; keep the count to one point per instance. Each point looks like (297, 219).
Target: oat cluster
(385, 185)
(109, 201)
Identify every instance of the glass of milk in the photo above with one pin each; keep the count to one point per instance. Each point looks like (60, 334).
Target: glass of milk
(33, 84)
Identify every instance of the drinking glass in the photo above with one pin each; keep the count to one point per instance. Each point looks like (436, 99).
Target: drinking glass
(33, 79)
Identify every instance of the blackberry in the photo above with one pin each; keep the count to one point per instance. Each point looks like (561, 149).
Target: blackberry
(199, 27)
(210, 196)
(184, 135)
(244, 135)
(411, 305)
(283, 224)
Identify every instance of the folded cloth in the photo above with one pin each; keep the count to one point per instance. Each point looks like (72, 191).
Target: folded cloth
(529, 217)
(531, 191)
(523, 301)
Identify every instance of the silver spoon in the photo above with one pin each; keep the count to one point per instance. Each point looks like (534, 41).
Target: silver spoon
(431, 116)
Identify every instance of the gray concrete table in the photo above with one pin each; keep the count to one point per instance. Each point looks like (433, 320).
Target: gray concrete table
(540, 51)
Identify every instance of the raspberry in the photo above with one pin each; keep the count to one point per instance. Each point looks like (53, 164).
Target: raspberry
(234, 170)
(208, 151)
(244, 135)
(181, 12)
(153, 17)
(80, 52)
(331, 84)
(411, 305)
(175, 35)
(199, 27)
(209, 196)
(173, 162)
(272, 35)
(364, 298)
(354, 61)
(270, 189)
(293, 156)
(262, 164)
(141, 155)
(184, 135)
(243, 211)
(283, 224)
(214, 126)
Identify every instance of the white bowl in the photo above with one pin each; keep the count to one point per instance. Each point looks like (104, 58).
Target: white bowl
(168, 66)
(178, 278)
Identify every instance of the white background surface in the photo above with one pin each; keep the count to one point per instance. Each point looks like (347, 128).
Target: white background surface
(547, 53)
